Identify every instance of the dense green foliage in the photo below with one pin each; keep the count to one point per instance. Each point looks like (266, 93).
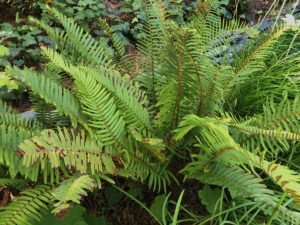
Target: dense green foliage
(231, 118)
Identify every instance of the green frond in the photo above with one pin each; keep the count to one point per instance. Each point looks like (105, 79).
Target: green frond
(255, 54)
(151, 47)
(87, 49)
(286, 114)
(71, 190)
(116, 41)
(4, 108)
(176, 83)
(130, 99)
(216, 140)
(274, 129)
(10, 118)
(11, 137)
(8, 182)
(27, 208)
(207, 22)
(142, 162)
(52, 93)
(240, 183)
(101, 109)
(54, 150)
(243, 185)
(47, 114)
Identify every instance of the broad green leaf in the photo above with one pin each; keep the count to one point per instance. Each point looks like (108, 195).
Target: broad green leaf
(73, 216)
(92, 219)
(157, 206)
(3, 50)
(209, 197)
(8, 82)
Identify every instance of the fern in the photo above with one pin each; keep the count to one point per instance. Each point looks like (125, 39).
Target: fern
(8, 182)
(52, 93)
(243, 185)
(27, 208)
(191, 93)
(79, 44)
(71, 190)
(54, 150)
(151, 47)
(117, 43)
(11, 137)
(274, 129)
(218, 142)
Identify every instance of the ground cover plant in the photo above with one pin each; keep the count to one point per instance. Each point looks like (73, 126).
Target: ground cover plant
(187, 115)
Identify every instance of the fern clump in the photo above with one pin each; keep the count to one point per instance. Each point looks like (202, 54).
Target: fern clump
(234, 116)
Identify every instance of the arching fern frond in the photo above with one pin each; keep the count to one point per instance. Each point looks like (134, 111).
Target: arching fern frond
(27, 208)
(52, 93)
(71, 190)
(255, 54)
(10, 118)
(51, 150)
(131, 100)
(101, 109)
(242, 185)
(214, 134)
(274, 129)
(89, 51)
(11, 137)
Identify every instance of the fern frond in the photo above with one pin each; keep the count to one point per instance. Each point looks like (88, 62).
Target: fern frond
(255, 54)
(88, 49)
(47, 114)
(177, 83)
(27, 208)
(151, 47)
(102, 111)
(274, 129)
(11, 137)
(71, 190)
(116, 41)
(51, 150)
(214, 134)
(286, 114)
(8, 182)
(239, 183)
(142, 161)
(4, 108)
(130, 100)
(10, 118)
(52, 93)
(243, 185)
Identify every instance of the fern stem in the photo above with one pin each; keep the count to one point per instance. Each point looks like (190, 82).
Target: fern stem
(175, 115)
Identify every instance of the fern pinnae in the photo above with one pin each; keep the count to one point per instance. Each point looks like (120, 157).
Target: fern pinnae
(54, 150)
(52, 93)
(27, 208)
(253, 59)
(71, 190)
(88, 48)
